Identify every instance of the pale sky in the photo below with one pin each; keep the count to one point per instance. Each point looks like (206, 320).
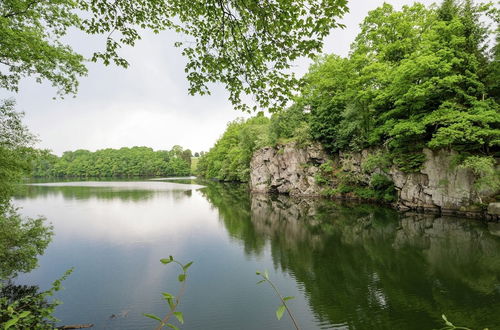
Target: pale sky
(147, 104)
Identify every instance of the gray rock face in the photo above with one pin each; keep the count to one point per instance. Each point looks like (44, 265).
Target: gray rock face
(287, 169)
(494, 209)
(439, 187)
(494, 212)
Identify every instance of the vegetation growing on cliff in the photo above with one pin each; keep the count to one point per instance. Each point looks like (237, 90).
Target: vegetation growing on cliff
(124, 162)
(416, 77)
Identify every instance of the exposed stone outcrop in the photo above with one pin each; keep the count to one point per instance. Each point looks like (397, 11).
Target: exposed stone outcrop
(287, 169)
(438, 187)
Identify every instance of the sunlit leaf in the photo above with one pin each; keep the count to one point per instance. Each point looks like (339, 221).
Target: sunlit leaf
(167, 295)
(186, 266)
(154, 317)
(280, 311)
(179, 317)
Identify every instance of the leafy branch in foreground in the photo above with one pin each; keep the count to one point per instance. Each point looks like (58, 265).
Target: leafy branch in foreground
(281, 309)
(172, 300)
(248, 46)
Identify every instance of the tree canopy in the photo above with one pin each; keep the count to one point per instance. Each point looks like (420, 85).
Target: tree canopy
(416, 77)
(123, 162)
(15, 150)
(21, 239)
(247, 45)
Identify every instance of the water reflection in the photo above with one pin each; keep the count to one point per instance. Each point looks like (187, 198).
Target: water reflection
(134, 191)
(369, 267)
(350, 265)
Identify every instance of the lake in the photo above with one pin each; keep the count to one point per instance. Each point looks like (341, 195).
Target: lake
(349, 266)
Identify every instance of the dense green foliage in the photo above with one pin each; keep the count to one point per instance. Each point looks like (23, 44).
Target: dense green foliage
(245, 45)
(15, 150)
(22, 240)
(419, 77)
(229, 159)
(123, 162)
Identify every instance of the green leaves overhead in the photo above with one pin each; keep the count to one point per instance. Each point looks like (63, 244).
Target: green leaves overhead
(247, 45)
(31, 44)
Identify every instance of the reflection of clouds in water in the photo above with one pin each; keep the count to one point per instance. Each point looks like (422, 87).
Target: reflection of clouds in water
(131, 191)
(115, 212)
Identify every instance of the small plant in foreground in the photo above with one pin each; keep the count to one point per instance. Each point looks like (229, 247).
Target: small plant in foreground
(281, 309)
(172, 300)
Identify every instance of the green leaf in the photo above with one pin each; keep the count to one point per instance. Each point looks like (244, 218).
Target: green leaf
(259, 282)
(171, 303)
(167, 295)
(186, 266)
(257, 272)
(165, 261)
(182, 277)
(154, 317)
(280, 311)
(288, 298)
(24, 314)
(446, 321)
(172, 326)
(10, 323)
(171, 258)
(266, 274)
(179, 316)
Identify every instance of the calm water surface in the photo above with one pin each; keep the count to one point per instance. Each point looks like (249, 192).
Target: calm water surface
(349, 266)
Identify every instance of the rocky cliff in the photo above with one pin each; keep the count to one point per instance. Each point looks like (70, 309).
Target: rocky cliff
(438, 187)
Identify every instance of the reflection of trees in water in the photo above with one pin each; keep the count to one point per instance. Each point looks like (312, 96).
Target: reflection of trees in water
(369, 267)
(102, 193)
(22, 240)
(232, 201)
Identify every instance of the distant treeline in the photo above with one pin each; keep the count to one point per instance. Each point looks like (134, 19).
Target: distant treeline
(124, 162)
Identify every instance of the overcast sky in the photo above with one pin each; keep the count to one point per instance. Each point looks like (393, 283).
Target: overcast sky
(147, 104)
